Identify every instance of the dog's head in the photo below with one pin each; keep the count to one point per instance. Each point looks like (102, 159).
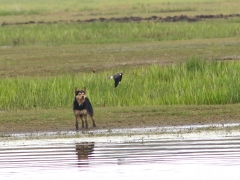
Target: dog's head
(80, 95)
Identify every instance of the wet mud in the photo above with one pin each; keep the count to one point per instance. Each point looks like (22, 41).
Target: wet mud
(122, 133)
(134, 19)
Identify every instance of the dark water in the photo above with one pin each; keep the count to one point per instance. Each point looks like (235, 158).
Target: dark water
(173, 158)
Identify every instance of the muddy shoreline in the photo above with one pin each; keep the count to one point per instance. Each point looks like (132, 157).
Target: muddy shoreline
(139, 134)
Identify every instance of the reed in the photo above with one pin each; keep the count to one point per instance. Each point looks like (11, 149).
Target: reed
(194, 82)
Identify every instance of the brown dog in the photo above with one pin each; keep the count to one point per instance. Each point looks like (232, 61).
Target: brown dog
(82, 107)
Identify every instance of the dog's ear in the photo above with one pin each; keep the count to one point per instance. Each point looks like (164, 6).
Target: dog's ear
(84, 88)
(76, 89)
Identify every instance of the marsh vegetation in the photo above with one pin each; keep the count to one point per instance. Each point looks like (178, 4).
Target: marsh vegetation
(165, 64)
(195, 82)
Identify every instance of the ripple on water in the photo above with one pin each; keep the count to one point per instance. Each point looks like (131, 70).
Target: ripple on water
(133, 157)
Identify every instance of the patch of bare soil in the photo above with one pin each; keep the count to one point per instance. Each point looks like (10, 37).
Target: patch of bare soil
(134, 19)
(35, 126)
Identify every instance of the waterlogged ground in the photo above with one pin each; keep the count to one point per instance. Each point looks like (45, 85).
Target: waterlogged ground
(183, 152)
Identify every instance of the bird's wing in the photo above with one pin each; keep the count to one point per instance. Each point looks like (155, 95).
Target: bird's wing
(116, 83)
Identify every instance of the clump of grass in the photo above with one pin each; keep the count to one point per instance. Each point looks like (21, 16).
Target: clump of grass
(194, 82)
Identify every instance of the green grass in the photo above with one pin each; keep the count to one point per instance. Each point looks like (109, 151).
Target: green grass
(195, 82)
(114, 7)
(40, 64)
(113, 32)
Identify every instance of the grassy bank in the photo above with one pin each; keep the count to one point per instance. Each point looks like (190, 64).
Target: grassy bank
(114, 32)
(27, 9)
(174, 73)
(191, 83)
(62, 119)
(35, 61)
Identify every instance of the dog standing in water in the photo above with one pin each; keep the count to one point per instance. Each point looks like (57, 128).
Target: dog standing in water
(82, 107)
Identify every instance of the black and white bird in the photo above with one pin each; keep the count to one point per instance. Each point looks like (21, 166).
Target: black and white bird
(117, 78)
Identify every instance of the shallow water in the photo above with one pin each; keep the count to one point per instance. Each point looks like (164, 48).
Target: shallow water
(154, 157)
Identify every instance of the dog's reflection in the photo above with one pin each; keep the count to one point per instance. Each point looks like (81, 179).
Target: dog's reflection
(83, 150)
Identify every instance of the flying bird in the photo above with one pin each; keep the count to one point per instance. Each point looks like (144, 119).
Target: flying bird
(117, 78)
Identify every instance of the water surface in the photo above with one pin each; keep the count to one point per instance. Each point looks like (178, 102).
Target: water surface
(152, 157)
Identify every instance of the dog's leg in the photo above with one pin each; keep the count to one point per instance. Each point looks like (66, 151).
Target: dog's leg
(81, 117)
(76, 122)
(94, 125)
(76, 113)
(86, 121)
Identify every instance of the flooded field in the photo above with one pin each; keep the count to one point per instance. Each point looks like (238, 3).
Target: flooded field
(202, 155)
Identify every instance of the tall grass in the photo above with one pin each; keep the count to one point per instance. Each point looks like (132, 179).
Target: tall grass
(113, 32)
(193, 82)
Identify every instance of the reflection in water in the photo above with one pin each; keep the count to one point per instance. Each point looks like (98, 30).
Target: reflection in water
(84, 149)
(153, 158)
